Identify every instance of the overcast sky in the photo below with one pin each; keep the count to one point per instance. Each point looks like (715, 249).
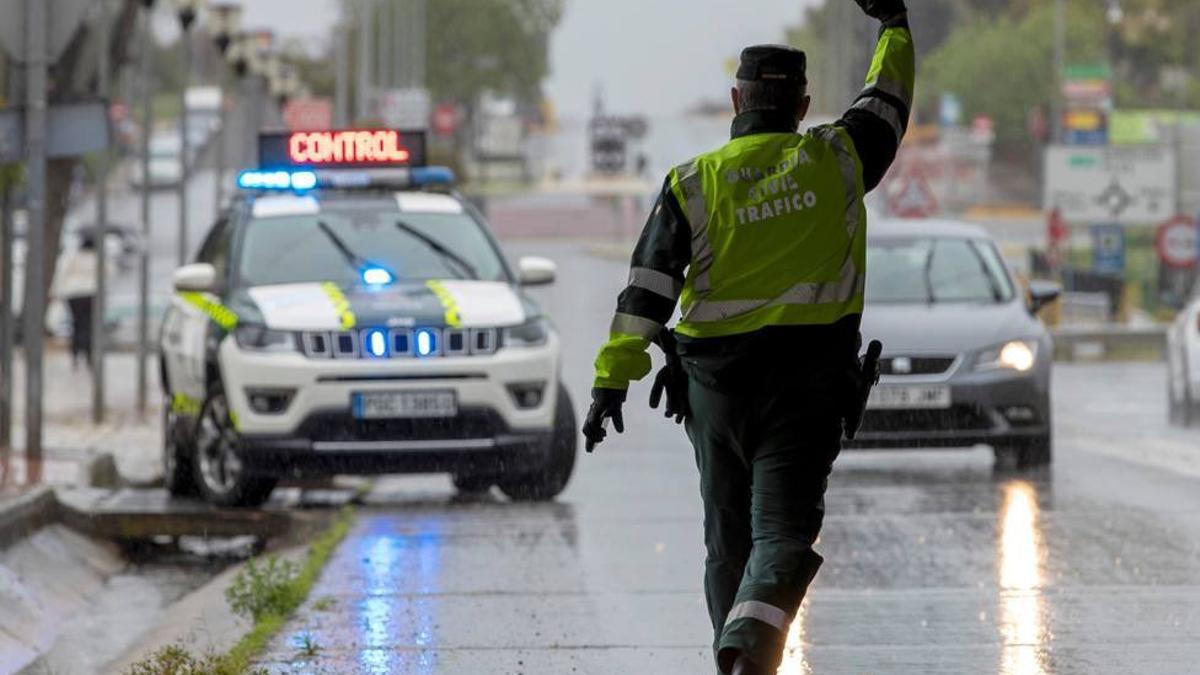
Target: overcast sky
(654, 56)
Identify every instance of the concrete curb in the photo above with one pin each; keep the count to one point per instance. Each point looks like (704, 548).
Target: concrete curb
(25, 513)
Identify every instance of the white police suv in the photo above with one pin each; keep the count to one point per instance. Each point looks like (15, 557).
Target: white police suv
(350, 314)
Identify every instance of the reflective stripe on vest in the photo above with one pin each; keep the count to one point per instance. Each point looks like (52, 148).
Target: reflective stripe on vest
(628, 324)
(695, 206)
(884, 111)
(656, 282)
(848, 286)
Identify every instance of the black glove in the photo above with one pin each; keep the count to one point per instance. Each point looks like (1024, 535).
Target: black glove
(882, 9)
(672, 380)
(606, 403)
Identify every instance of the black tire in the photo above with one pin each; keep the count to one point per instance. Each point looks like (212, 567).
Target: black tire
(178, 476)
(1026, 453)
(472, 484)
(550, 480)
(217, 466)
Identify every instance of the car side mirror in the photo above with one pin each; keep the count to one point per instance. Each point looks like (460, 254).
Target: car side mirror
(1042, 293)
(534, 271)
(197, 277)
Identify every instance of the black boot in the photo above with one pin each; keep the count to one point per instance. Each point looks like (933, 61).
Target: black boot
(744, 666)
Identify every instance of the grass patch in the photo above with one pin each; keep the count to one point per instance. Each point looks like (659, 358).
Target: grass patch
(267, 590)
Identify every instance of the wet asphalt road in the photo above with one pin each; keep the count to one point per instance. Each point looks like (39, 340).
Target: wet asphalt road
(935, 561)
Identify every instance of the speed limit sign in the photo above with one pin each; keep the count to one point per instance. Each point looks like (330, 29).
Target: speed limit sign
(1177, 242)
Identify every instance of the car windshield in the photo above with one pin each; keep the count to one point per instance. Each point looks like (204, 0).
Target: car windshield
(936, 270)
(338, 245)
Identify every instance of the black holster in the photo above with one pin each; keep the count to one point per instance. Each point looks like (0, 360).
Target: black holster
(866, 378)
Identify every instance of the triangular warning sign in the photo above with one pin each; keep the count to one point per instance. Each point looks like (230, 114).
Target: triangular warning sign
(913, 198)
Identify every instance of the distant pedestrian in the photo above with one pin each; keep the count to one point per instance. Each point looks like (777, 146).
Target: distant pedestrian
(76, 286)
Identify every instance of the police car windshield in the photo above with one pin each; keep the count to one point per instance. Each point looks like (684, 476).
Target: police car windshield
(936, 270)
(336, 244)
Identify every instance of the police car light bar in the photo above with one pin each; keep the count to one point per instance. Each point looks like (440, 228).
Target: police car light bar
(302, 180)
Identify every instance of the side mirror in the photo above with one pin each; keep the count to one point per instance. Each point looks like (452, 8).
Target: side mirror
(197, 277)
(1042, 293)
(534, 271)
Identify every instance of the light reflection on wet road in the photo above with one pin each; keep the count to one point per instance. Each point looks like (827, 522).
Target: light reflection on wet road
(935, 562)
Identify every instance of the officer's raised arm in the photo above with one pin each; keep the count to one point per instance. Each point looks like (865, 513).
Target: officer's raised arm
(879, 117)
(656, 277)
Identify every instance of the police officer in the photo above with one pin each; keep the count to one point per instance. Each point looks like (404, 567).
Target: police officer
(763, 243)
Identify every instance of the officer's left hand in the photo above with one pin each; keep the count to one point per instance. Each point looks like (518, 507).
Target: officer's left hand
(672, 380)
(606, 403)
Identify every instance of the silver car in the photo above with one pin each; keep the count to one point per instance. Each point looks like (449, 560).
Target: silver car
(965, 360)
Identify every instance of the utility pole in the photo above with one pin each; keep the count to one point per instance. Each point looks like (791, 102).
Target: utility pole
(363, 106)
(1060, 65)
(144, 254)
(6, 324)
(187, 16)
(36, 35)
(99, 300)
(341, 92)
(226, 20)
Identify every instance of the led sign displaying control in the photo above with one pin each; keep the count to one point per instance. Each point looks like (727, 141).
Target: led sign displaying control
(342, 148)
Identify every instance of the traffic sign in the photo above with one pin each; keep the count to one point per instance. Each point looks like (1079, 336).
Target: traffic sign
(445, 119)
(913, 198)
(63, 16)
(74, 129)
(1177, 242)
(406, 108)
(1132, 185)
(308, 114)
(1108, 249)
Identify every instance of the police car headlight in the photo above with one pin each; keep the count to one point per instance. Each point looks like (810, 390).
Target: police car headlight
(259, 338)
(529, 334)
(1017, 355)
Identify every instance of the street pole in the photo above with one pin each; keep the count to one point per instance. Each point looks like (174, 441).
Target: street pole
(187, 15)
(1060, 65)
(219, 151)
(35, 258)
(6, 325)
(341, 91)
(99, 300)
(362, 107)
(144, 254)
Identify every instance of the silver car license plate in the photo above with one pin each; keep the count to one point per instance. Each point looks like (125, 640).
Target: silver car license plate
(909, 397)
(372, 405)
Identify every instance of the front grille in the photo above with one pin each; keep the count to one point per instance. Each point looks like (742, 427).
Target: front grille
(342, 427)
(954, 418)
(915, 365)
(400, 343)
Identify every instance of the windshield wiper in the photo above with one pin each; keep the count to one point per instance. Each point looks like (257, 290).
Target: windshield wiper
(356, 262)
(928, 273)
(439, 248)
(997, 294)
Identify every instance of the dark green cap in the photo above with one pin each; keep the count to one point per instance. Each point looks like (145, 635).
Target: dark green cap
(773, 62)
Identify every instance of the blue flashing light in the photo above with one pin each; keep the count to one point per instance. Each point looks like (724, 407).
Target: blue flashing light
(426, 342)
(431, 175)
(277, 180)
(377, 276)
(376, 343)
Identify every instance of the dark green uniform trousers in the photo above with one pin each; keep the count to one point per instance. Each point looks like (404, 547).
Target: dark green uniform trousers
(764, 454)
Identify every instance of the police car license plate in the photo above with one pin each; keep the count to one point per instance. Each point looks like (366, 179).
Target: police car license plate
(373, 405)
(893, 397)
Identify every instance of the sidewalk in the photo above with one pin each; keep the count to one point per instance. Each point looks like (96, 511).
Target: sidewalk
(70, 440)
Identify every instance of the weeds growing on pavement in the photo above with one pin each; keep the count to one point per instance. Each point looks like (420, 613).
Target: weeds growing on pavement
(263, 588)
(268, 590)
(324, 604)
(308, 645)
(177, 660)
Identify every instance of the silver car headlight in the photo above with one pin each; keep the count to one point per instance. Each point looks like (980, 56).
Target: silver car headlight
(259, 338)
(1015, 355)
(533, 333)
